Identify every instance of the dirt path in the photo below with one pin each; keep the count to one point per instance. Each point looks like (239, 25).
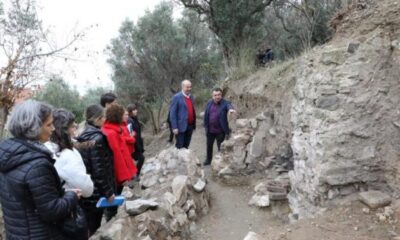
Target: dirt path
(230, 216)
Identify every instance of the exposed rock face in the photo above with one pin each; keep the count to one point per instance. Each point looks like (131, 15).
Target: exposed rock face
(344, 115)
(335, 109)
(174, 197)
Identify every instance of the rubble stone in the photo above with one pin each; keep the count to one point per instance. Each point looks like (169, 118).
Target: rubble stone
(139, 206)
(375, 199)
(175, 204)
(199, 186)
(259, 201)
(179, 186)
(252, 236)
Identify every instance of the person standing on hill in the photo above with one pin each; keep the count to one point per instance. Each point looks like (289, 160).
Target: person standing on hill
(134, 126)
(216, 121)
(183, 115)
(128, 135)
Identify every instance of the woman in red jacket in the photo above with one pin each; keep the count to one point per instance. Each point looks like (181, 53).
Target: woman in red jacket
(124, 167)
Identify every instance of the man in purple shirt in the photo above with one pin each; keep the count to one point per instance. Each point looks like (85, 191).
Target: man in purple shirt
(216, 121)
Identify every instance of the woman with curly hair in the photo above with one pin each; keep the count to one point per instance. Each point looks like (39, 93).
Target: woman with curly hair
(124, 168)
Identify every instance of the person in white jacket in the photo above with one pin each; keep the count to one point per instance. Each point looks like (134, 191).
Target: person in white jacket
(68, 161)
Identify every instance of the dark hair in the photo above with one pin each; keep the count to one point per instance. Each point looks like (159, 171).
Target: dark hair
(115, 113)
(217, 89)
(27, 119)
(93, 112)
(62, 120)
(131, 107)
(107, 98)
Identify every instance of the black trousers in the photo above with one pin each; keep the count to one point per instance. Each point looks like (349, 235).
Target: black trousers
(139, 158)
(183, 139)
(93, 218)
(171, 134)
(211, 137)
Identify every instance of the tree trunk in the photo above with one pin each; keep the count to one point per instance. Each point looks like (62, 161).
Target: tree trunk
(159, 115)
(3, 120)
(152, 119)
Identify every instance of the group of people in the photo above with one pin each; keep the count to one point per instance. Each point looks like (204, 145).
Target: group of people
(47, 172)
(182, 118)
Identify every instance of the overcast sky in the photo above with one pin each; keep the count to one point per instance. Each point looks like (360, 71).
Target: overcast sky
(63, 18)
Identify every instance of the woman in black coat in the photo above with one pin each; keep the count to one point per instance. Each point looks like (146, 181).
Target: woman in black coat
(134, 126)
(98, 159)
(33, 202)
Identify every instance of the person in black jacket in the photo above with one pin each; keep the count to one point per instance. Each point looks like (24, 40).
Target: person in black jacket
(98, 159)
(33, 202)
(134, 126)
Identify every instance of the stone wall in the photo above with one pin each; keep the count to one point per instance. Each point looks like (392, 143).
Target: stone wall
(172, 195)
(337, 107)
(345, 113)
(247, 152)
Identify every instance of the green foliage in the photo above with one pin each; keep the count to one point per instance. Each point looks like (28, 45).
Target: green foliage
(244, 27)
(202, 95)
(60, 95)
(93, 95)
(294, 26)
(150, 58)
(238, 25)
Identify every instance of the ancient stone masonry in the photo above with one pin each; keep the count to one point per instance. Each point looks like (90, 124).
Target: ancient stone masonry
(345, 114)
(247, 151)
(335, 111)
(171, 196)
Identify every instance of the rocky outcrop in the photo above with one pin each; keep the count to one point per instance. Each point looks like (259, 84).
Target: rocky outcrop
(172, 195)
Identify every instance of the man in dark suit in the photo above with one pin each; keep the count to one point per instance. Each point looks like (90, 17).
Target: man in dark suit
(183, 115)
(216, 121)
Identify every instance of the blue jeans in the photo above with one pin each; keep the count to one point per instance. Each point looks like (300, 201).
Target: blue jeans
(183, 138)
